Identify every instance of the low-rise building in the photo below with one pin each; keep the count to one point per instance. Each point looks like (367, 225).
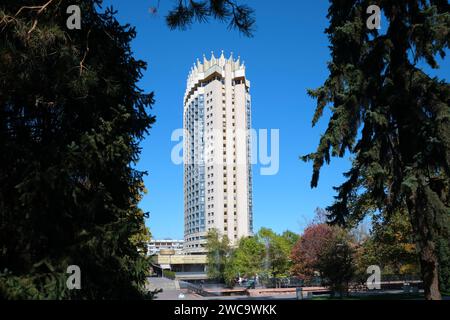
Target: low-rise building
(156, 246)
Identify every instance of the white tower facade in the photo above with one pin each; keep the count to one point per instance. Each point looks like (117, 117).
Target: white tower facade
(217, 164)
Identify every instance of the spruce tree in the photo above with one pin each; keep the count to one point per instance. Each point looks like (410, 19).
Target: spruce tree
(71, 119)
(392, 116)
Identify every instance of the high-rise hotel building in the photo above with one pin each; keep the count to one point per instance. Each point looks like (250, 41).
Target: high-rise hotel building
(217, 166)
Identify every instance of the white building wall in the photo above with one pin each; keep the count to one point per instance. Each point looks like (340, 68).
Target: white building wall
(227, 169)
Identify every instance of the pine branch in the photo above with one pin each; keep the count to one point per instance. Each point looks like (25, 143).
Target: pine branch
(85, 53)
(7, 19)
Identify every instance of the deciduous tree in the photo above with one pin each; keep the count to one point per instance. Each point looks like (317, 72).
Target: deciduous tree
(218, 255)
(335, 261)
(277, 251)
(305, 254)
(248, 257)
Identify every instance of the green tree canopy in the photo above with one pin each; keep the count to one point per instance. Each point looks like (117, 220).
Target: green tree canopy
(290, 238)
(393, 244)
(248, 257)
(265, 254)
(277, 251)
(218, 255)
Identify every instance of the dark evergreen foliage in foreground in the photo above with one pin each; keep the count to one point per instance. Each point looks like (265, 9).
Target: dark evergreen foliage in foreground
(392, 116)
(71, 118)
(238, 16)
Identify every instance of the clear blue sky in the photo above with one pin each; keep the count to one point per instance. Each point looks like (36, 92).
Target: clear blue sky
(287, 55)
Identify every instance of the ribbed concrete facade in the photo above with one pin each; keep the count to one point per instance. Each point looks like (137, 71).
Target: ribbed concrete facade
(217, 169)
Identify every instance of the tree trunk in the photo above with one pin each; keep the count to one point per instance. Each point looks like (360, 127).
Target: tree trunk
(406, 112)
(422, 218)
(430, 271)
